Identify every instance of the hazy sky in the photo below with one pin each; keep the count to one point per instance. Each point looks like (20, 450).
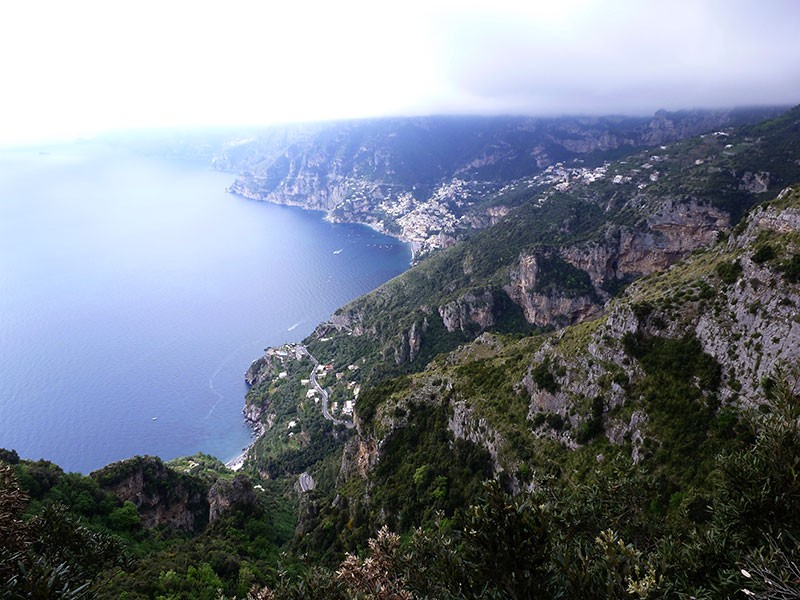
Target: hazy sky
(78, 67)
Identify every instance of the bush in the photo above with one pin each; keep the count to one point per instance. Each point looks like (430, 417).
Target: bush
(9, 456)
(593, 426)
(729, 271)
(544, 378)
(763, 253)
(791, 269)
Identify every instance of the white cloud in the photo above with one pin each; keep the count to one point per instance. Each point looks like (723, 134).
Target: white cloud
(71, 68)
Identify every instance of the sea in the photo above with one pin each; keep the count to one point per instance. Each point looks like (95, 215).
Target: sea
(135, 292)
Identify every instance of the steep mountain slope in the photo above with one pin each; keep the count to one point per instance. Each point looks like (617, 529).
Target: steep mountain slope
(671, 377)
(594, 397)
(569, 241)
(426, 179)
(645, 376)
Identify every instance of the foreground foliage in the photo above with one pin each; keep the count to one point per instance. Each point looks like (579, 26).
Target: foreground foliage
(602, 538)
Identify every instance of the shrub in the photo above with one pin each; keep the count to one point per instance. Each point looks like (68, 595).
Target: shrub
(729, 271)
(763, 253)
(791, 269)
(544, 378)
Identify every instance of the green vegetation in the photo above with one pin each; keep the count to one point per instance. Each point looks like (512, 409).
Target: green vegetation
(678, 391)
(764, 253)
(543, 377)
(556, 276)
(648, 469)
(712, 169)
(604, 537)
(729, 272)
(791, 269)
(65, 536)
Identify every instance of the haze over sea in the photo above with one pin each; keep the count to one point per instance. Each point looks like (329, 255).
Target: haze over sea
(135, 292)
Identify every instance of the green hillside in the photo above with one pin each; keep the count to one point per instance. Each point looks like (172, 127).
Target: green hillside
(595, 397)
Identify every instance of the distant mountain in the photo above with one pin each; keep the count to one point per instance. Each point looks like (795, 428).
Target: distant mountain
(426, 180)
(588, 390)
(571, 238)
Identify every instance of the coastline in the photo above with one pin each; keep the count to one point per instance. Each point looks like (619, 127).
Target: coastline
(414, 245)
(237, 462)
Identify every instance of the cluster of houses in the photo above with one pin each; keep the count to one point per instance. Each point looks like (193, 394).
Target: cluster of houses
(296, 351)
(286, 352)
(322, 372)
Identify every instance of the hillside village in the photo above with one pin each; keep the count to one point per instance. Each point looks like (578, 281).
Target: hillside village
(459, 205)
(287, 367)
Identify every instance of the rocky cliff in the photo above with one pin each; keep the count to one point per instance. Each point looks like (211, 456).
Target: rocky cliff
(165, 497)
(426, 180)
(723, 322)
(737, 299)
(161, 495)
(226, 494)
(563, 243)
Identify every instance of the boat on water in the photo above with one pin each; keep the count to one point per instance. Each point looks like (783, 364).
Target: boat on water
(339, 251)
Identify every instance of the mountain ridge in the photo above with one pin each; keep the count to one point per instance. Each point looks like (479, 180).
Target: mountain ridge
(592, 397)
(425, 180)
(588, 240)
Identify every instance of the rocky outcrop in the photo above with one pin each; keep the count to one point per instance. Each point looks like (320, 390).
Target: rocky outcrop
(425, 180)
(769, 218)
(542, 308)
(672, 233)
(414, 340)
(162, 496)
(359, 456)
(257, 372)
(254, 417)
(676, 230)
(224, 495)
(755, 183)
(474, 310)
(758, 330)
(165, 497)
(464, 425)
(407, 348)
(747, 323)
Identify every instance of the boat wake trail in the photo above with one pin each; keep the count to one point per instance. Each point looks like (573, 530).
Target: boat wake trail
(220, 396)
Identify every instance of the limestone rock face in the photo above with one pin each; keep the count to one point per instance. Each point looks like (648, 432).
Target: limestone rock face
(407, 348)
(669, 235)
(414, 341)
(359, 456)
(768, 218)
(256, 372)
(464, 424)
(676, 230)
(755, 183)
(162, 496)
(224, 495)
(542, 308)
(475, 309)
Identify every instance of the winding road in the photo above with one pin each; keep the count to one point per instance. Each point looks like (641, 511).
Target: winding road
(313, 377)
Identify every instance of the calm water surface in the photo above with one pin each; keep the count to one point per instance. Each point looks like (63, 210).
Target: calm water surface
(134, 293)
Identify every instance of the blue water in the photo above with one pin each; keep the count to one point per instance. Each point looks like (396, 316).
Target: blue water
(134, 288)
